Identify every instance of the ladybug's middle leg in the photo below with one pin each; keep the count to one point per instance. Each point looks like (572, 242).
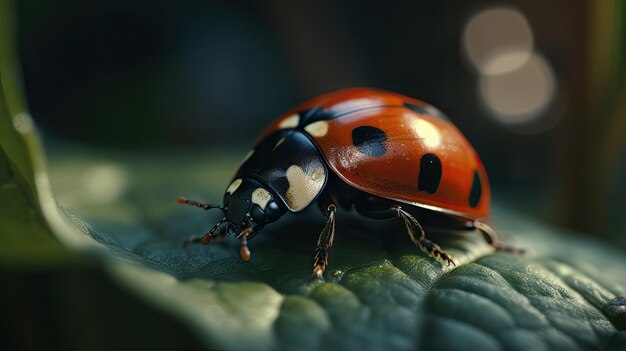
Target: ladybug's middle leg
(377, 209)
(424, 244)
(324, 242)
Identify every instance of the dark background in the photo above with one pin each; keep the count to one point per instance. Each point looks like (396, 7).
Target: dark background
(155, 75)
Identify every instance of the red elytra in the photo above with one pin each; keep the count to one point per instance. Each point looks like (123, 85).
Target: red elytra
(411, 132)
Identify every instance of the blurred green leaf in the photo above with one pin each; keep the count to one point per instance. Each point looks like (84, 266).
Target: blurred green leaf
(29, 242)
(379, 293)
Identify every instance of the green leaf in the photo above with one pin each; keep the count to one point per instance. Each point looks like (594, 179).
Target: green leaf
(379, 292)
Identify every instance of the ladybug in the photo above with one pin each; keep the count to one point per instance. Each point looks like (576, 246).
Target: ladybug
(381, 154)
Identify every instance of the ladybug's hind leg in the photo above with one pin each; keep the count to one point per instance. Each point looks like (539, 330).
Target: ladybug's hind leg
(492, 238)
(324, 242)
(424, 244)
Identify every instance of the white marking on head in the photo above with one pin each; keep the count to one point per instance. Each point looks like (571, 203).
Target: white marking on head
(278, 143)
(290, 121)
(233, 186)
(245, 158)
(427, 132)
(303, 187)
(317, 129)
(261, 197)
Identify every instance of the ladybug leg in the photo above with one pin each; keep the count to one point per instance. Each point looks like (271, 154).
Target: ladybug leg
(424, 244)
(491, 236)
(206, 238)
(244, 251)
(324, 242)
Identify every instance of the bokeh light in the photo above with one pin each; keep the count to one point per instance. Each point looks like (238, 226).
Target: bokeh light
(498, 40)
(104, 183)
(516, 84)
(519, 96)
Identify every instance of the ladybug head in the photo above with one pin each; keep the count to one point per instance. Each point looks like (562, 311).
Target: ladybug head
(248, 203)
(248, 206)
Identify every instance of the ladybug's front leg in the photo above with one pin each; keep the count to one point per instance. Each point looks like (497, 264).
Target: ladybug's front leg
(206, 238)
(424, 244)
(324, 242)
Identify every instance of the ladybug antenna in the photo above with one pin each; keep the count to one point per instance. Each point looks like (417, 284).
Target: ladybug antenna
(186, 201)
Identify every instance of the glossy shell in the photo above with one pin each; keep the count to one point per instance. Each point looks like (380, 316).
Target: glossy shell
(290, 164)
(395, 147)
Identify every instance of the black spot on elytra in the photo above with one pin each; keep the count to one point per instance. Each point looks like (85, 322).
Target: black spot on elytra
(476, 191)
(369, 140)
(426, 110)
(313, 115)
(416, 109)
(430, 174)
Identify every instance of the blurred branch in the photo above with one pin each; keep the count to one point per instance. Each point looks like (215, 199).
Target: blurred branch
(597, 138)
(609, 85)
(608, 92)
(606, 50)
(612, 150)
